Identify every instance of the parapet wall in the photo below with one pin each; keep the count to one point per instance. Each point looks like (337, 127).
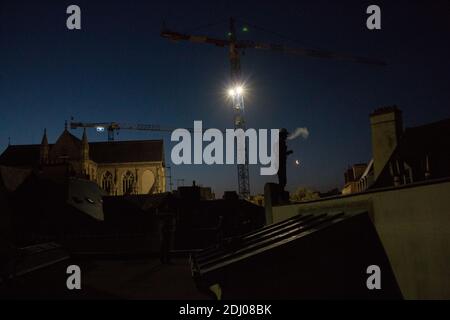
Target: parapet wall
(413, 223)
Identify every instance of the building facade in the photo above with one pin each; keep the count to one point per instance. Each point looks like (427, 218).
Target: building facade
(405, 190)
(353, 177)
(401, 156)
(118, 167)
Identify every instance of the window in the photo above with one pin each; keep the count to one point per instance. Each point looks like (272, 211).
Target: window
(107, 182)
(128, 183)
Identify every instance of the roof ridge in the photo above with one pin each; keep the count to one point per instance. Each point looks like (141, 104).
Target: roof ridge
(125, 141)
(428, 124)
(24, 145)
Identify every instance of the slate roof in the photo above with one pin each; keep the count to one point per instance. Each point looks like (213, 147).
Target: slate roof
(415, 145)
(267, 238)
(426, 138)
(20, 155)
(127, 151)
(100, 152)
(315, 255)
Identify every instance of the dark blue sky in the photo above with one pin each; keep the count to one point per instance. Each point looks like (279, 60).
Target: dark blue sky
(118, 68)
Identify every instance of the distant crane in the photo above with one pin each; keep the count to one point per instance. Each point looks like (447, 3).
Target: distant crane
(236, 91)
(111, 127)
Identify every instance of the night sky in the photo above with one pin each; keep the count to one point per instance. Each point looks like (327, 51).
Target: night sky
(118, 68)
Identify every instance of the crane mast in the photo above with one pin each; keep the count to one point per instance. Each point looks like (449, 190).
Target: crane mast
(234, 45)
(238, 106)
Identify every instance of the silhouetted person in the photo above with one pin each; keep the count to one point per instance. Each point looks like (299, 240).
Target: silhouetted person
(282, 158)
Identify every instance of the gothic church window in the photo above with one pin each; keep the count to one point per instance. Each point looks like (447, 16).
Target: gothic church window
(107, 182)
(128, 183)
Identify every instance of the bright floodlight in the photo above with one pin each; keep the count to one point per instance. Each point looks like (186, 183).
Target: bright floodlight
(237, 90)
(100, 129)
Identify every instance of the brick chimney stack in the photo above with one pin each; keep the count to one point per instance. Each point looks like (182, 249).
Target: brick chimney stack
(387, 128)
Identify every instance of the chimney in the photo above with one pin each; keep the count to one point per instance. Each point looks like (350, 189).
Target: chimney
(387, 127)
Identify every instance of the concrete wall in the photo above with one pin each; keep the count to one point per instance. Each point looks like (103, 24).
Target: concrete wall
(413, 223)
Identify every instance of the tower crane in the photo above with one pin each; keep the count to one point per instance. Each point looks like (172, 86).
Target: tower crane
(235, 47)
(111, 127)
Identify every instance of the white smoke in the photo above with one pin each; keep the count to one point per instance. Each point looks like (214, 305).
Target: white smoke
(299, 132)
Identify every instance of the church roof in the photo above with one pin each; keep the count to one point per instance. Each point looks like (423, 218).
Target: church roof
(100, 152)
(20, 155)
(127, 151)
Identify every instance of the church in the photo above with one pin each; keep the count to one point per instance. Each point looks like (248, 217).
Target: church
(118, 167)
